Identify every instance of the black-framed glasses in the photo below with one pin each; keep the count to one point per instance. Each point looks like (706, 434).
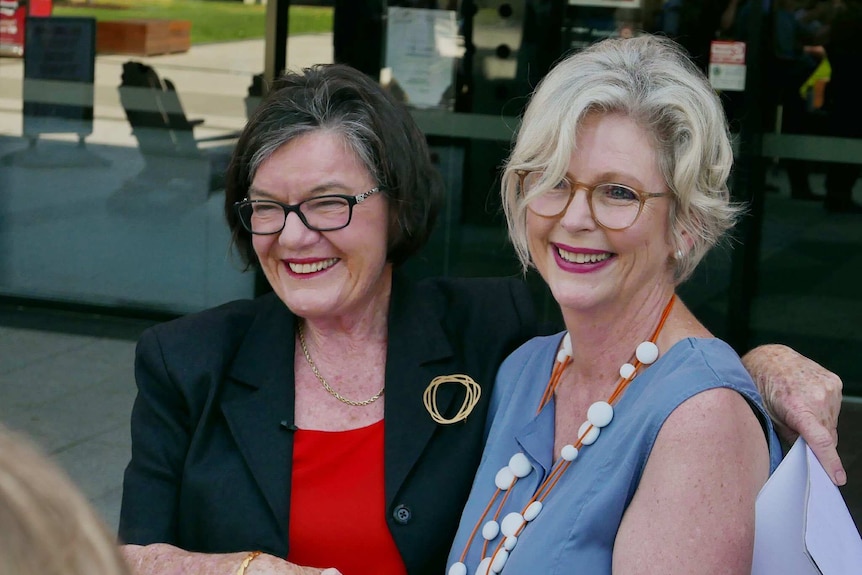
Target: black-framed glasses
(320, 213)
(613, 206)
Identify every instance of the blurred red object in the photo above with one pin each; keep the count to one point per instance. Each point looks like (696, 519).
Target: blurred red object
(12, 16)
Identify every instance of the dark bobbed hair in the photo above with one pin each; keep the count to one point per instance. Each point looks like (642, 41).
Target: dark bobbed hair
(381, 132)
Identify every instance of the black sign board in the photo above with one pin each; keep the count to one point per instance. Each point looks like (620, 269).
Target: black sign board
(59, 70)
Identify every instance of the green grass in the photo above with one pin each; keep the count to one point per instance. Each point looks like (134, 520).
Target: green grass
(212, 20)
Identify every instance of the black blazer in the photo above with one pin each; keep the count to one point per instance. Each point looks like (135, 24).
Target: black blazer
(211, 424)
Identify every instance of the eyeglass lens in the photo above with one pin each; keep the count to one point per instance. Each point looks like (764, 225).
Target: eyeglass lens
(320, 214)
(614, 206)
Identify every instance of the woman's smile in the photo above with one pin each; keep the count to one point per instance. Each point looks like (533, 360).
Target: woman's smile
(323, 273)
(585, 264)
(308, 266)
(581, 260)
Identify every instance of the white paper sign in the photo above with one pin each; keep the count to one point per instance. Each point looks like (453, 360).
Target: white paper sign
(421, 49)
(727, 65)
(802, 524)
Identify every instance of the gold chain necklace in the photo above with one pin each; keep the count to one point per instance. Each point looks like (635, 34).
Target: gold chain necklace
(325, 385)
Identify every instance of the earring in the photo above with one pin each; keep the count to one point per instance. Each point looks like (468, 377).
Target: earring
(678, 255)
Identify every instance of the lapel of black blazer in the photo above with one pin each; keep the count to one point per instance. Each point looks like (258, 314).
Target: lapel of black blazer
(418, 351)
(260, 413)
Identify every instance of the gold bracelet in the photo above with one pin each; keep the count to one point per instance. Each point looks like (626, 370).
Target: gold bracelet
(248, 559)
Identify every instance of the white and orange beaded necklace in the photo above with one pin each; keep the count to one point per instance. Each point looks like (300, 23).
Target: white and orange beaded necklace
(599, 415)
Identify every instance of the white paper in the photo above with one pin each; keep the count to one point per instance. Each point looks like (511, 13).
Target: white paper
(422, 47)
(802, 524)
(727, 77)
(830, 535)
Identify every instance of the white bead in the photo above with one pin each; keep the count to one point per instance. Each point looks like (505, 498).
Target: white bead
(490, 530)
(511, 523)
(484, 567)
(647, 352)
(532, 511)
(591, 435)
(504, 478)
(520, 465)
(561, 356)
(627, 370)
(569, 452)
(458, 569)
(510, 542)
(567, 343)
(499, 560)
(600, 413)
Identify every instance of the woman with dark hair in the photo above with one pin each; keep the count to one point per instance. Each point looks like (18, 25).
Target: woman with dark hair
(310, 426)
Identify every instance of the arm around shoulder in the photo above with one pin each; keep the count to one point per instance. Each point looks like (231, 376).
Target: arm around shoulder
(802, 398)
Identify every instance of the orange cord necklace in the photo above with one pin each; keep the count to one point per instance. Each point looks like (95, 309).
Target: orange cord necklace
(599, 415)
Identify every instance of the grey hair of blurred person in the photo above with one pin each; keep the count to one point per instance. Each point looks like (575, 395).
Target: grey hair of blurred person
(381, 132)
(650, 80)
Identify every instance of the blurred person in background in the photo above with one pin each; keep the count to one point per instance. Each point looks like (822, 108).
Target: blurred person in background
(844, 50)
(47, 527)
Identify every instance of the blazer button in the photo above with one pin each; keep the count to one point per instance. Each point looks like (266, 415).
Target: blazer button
(402, 514)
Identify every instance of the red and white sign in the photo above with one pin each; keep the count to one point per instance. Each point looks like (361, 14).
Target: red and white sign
(726, 52)
(727, 65)
(12, 16)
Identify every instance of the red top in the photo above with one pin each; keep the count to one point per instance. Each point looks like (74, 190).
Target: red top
(337, 503)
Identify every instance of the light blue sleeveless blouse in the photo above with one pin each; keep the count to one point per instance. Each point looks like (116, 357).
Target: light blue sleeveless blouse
(576, 529)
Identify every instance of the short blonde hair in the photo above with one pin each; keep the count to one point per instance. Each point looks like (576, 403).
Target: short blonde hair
(46, 525)
(650, 80)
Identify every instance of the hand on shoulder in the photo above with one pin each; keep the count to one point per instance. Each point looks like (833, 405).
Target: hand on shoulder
(802, 398)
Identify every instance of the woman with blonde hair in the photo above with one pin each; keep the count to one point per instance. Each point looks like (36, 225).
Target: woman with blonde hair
(47, 526)
(634, 441)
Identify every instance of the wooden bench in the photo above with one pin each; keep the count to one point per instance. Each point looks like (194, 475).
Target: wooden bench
(145, 37)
